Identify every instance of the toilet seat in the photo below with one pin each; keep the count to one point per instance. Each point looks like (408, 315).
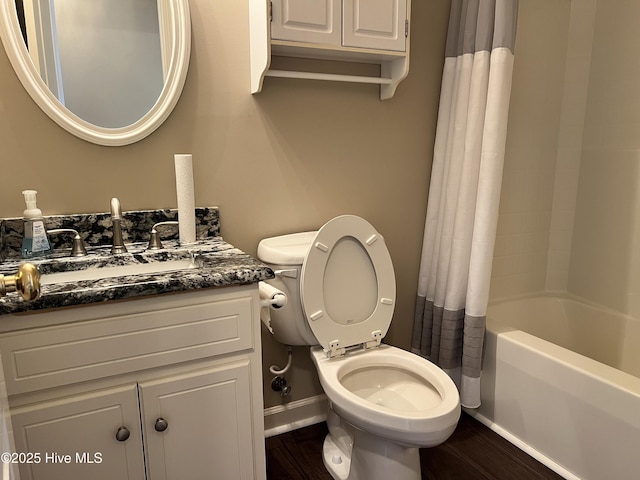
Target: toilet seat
(347, 285)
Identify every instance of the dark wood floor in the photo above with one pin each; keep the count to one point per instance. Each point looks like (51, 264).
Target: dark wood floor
(472, 453)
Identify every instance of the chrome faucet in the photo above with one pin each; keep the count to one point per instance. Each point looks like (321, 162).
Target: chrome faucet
(116, 217)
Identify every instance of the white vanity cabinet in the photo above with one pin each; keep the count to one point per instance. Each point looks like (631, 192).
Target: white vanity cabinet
(361, 31)
(208, 421)
(168, 387)
(75, 437)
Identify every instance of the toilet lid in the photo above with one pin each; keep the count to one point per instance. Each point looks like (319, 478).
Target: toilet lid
(347, 285)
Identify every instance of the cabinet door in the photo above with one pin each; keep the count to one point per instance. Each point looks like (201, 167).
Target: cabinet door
(75, 437)
(376, 24)
(309, 21)
(205, 423)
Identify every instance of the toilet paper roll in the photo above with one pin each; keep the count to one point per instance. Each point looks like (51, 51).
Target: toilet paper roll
(186, 198)
(271, 296)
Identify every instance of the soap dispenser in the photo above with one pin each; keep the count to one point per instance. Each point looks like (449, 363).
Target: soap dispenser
(35, 241)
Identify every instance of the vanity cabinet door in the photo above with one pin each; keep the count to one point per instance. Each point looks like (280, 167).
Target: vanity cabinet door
(198, 425)
(75, 437)
(376, 24)
(307, 21)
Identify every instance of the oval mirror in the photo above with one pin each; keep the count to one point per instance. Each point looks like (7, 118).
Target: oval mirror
(107, 71)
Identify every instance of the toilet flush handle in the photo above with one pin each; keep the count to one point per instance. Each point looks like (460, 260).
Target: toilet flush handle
(289, 273)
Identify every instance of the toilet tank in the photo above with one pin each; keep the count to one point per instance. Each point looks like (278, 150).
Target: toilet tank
(285, 255)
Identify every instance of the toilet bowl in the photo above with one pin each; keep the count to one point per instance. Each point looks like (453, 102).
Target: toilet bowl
(384, 402)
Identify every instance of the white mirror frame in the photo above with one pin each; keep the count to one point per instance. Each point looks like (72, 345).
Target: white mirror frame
(179, 35)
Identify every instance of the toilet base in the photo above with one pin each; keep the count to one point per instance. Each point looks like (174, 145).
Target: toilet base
(335, 460)
(371, 458)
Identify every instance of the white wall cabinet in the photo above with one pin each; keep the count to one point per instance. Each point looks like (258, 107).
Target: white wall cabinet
(145, 389)
(317, 21)
(373, 24)
(367, 31)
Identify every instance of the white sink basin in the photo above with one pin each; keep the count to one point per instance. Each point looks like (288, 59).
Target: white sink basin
(98, 273)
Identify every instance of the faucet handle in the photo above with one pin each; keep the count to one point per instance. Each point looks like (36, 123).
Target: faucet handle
(154, 239)
(77, 249)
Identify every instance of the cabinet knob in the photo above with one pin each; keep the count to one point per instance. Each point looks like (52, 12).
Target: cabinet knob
(161, 424)
(122, 434)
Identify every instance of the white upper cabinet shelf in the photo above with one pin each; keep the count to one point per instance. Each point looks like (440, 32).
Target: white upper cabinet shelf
(363, 31)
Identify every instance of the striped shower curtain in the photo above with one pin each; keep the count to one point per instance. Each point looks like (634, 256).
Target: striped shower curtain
(464, 195)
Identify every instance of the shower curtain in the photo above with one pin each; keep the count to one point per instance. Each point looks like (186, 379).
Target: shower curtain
(464, 194)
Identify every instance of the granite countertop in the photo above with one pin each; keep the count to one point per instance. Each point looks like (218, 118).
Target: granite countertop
(217, 264)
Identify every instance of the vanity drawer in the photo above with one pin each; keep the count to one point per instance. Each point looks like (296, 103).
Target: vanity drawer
(60, 355)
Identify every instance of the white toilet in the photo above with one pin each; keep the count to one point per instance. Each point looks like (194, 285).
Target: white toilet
(385, 402)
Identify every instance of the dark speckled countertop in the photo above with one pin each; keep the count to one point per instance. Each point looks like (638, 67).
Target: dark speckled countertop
(216, 264)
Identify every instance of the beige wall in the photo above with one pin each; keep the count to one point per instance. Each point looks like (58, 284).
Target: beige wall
(285, 160)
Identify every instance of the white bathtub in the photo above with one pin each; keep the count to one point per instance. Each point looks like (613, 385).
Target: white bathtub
(561, 379)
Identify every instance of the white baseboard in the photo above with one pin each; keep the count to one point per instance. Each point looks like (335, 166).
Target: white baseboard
(294, 415)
